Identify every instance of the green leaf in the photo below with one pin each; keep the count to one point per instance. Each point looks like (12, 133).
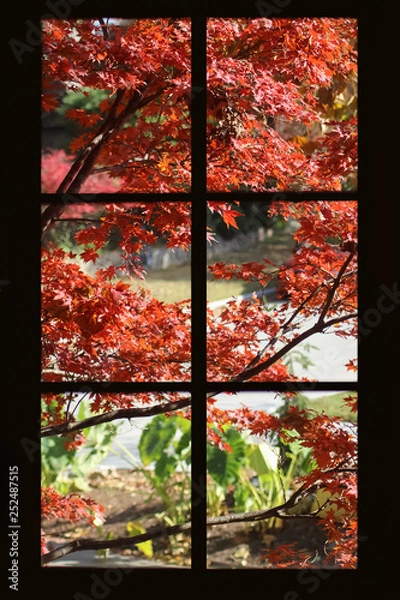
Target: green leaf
(165, 466)
(54, 455)
(263, 459)
(183, 446)
(134, 528)
(156, 438)
(224, 466)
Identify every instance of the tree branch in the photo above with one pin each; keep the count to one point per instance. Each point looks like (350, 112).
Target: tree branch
(84, 164)
(259, 515)
(282, 329)
(122, 542)
(49, 215)
(248, 372)
(113, 124)
(104, 29)
(336, 282)
(106, 126)
(335, 286)
(77, 220)
(159, 531)
(121, 413)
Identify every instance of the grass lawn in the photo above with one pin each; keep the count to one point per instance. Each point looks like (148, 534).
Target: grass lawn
(174, 284)
(332, 405)
(169, 285)
(277, 249)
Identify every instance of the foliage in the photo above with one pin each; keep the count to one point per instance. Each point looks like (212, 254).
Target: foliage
(281, 104)
(320, 283)
(340, 405)
(96, 329)
(72, 507)
(266, 77)
(321, 279)
(263, 76)
(322, 461)
(166, 442)
(256, 217)
(247, 473)
(165, 454)
(67, 463)
(140, 132)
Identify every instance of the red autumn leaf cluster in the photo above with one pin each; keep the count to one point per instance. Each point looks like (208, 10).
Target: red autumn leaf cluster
(72, 507)
(320, 280)
(140, 134)
(265, 78)
(96, 328)
(267, 74)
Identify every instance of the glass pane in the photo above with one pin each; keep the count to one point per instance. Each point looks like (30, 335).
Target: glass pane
(282, 291)
(282, 480)
(282, 104)
(116, 292)
(116, 105)
(115, 467)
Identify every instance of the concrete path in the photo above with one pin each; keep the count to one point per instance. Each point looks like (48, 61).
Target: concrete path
(89, 558)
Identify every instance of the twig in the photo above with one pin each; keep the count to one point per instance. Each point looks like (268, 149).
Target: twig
(121, 413)
(335, 286)
(104, 29)
(247, 372)
(159, 531)
(285, 326)
(122, 542)
(77, 220)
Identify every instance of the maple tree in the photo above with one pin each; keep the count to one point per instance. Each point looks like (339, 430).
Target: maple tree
(98, 328)
(92, 325)
(282, 100)
(281, 110)
(139, 135)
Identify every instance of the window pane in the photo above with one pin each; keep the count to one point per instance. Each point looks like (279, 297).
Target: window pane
(116, 292)
(282, 104)
(116, 105)
(282, 480)
(105, 477)
(282, 291)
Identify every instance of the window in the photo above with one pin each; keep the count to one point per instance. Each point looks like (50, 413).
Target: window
(225, 149)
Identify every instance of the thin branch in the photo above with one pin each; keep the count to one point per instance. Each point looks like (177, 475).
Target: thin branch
(282, 329)
(159, 531)
(285, 326)
(259, 515)
(67, 410)
(51, 212)
(335, 286)
(104, 29)
(247, 372)
(77, 220)
(122, 542)
(121, 413)
(134, 163)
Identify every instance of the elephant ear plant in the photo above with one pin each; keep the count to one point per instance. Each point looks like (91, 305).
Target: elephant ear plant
(67, 467)
(250, 474)
(165, 460)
